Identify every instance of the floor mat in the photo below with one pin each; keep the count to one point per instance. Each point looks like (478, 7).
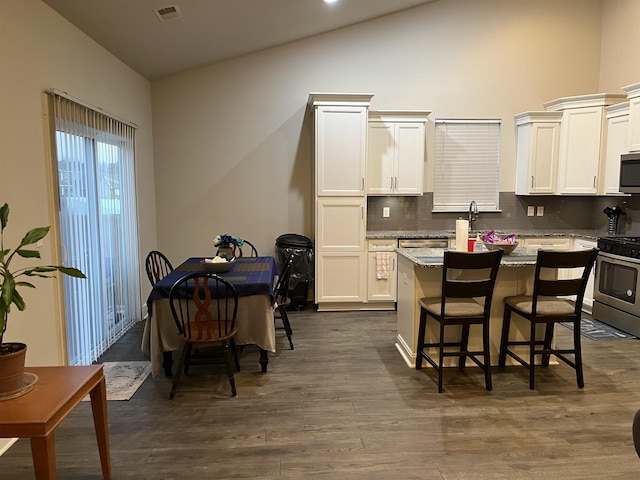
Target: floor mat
(595, 330)
(124, 378)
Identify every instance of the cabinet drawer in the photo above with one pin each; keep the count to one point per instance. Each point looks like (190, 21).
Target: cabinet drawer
(382, 245)
(549, 243)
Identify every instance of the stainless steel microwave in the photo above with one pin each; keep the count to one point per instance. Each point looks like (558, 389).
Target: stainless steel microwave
(630, 172)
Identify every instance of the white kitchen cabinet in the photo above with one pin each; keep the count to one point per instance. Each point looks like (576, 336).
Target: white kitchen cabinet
(340, 143)
(341, 224)
(395, 157)
(581, 141)
(633, 94)
(587, 303)
(340, 251)
(382, 271)
(537, 150)
(340, 280)
(548, 243)
(616, 143)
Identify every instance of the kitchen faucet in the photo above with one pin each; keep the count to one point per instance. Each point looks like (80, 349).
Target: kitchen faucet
(473, 215)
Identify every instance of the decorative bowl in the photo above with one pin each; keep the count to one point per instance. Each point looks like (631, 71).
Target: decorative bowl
(218, 267)
(506, 247)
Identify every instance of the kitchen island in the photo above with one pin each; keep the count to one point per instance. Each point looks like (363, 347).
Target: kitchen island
(420, 275)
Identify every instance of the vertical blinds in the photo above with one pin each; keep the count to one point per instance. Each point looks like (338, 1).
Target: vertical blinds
(98, 227)
(467, 160)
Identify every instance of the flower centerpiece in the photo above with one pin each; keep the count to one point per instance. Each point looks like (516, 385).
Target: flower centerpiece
(227, 245)
(13, 353)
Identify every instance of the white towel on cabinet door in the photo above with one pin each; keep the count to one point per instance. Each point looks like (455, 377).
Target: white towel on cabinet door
(382, 265)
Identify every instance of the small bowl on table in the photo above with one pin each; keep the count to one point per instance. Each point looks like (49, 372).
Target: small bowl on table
(218, 267)
(507, 248)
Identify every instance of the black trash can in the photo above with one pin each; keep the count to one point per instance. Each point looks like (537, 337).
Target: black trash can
(301, 269)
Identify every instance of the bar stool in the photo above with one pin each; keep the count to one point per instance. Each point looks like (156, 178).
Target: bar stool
(549, 305)
(467, 279)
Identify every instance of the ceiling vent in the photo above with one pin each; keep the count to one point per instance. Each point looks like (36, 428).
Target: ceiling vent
(167, 13)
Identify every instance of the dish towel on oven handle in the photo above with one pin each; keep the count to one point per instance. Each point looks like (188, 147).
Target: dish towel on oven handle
(382, 265)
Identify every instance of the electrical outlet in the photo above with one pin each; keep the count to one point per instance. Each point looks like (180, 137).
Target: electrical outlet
(531, 211)
(385, 212)
(540, 211)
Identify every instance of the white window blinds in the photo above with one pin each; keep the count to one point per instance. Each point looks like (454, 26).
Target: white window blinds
(98, 227)
(467, 160)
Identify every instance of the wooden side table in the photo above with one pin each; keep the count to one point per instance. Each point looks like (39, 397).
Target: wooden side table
(36, 414)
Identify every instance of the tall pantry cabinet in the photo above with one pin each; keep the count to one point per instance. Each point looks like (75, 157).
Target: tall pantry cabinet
(340, 145)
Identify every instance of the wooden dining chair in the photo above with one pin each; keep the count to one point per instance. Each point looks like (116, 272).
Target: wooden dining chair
(248, 250)
(281, 292)
(559, 284)
(204, 307)
(157, 266)
(468, 281)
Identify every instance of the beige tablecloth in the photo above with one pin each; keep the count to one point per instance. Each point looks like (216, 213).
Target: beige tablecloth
(255, 327)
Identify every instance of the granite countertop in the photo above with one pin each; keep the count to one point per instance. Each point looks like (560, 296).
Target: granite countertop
(433, 257)
(382, 234)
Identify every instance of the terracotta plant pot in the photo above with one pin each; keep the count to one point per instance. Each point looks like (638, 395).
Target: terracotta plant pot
(12, 358)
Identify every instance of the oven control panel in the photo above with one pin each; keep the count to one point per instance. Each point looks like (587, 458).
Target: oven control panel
(623, 246)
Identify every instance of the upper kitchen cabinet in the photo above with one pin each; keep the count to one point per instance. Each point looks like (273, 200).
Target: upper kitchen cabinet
(395, 156)
(617, 143)
(340, 142)
(633, 94)
(537, 150)
(581, 141)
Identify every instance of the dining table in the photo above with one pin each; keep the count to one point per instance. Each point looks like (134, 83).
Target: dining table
(253, 279)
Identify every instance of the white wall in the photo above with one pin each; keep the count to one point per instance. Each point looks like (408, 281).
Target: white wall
(41, 50)
(232, 140)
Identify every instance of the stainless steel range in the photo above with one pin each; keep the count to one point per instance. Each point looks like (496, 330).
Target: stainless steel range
(617, 289)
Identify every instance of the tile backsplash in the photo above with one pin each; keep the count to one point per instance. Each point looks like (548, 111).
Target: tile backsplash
(561, 213)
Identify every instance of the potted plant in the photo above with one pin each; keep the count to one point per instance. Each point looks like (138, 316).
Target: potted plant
(13, 354)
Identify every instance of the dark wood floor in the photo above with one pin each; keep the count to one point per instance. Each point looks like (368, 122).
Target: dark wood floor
(344, 405)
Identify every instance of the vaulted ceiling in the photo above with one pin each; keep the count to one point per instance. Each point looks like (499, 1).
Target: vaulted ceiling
(206, 31)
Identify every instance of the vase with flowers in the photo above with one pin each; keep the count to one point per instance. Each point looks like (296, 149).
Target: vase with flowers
(227, 245)
(13, 354)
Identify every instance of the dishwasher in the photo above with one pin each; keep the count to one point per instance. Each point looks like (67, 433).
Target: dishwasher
(423, 242)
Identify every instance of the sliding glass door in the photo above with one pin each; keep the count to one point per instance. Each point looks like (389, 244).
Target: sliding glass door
(98, 228)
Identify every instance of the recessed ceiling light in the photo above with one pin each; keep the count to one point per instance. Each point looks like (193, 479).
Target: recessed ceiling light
(330, 1)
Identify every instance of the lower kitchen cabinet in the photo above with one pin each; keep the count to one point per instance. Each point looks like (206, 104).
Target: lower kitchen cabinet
(382, 273)
(340, 280)
(341, 267)
(587, 303)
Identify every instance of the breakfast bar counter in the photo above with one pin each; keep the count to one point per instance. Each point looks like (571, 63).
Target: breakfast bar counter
(420, 275)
